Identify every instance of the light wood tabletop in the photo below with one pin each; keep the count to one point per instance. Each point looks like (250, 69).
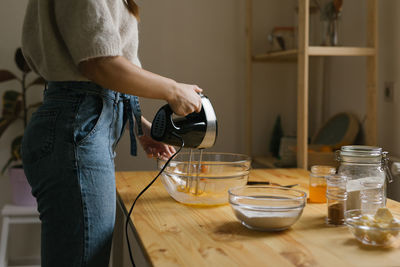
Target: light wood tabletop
(173, 234)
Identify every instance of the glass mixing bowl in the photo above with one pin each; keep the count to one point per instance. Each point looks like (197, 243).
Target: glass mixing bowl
(193, 180)
(267, 208)
(380, 234)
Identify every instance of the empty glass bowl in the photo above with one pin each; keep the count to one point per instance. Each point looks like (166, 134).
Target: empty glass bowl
(267, 208)
(372, 233)
(204, 178)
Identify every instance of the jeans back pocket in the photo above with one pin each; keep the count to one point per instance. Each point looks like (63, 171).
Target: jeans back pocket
(39, 136)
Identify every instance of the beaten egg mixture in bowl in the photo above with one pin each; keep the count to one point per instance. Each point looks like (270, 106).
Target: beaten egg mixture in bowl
(204, 178)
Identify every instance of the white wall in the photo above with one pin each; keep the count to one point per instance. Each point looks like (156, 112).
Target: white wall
(389, 70)
(199, 42)
(202, 42)
(345, 76)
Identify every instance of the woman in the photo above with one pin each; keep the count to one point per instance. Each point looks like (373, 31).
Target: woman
(87, 51)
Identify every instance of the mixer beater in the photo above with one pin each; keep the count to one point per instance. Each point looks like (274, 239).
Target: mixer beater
(192, 182)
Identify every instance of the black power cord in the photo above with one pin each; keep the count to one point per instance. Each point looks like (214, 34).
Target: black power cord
(141, 193)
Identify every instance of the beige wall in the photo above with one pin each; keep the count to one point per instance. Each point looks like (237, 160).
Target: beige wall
(389, 70)
(202, 42)
(346, 76)
(196, 42)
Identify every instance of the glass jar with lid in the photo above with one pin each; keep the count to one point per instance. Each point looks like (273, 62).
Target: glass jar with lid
(336, 196)
(362, 164)
(317, 184)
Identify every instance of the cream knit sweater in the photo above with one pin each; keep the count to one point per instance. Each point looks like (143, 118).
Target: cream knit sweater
(58, 34)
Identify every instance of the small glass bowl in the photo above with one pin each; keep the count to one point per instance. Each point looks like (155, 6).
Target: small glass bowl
(206, 183)
(370, 235)
(267, 208)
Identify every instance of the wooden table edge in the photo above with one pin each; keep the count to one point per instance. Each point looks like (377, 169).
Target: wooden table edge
(134, 231)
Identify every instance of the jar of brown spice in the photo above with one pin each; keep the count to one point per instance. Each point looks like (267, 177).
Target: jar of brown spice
(336, 196)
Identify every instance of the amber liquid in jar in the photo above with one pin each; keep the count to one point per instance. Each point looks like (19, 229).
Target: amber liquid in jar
(317, 185)
(317, 193)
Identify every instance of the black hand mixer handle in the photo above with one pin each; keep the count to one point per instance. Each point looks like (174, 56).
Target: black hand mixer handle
(163, 125)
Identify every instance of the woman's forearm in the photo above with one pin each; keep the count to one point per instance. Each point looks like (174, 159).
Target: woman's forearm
(119, 74)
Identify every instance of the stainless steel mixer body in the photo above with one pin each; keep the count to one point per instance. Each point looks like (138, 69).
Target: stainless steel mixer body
(196, 130)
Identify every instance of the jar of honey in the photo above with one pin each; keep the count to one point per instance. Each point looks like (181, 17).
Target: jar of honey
(317, 186)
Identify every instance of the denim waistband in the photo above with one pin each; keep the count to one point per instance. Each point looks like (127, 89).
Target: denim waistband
(130, 102)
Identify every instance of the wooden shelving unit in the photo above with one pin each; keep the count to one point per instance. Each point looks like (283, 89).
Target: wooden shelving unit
(266, 161)
(301, 56)
(291, 55)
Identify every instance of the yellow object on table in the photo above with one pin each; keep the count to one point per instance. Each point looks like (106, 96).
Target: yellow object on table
(317, 186)
(173, 234)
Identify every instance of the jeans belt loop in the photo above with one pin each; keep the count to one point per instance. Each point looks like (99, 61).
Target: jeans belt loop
(138, 114)
(133, 111)
(117, 97)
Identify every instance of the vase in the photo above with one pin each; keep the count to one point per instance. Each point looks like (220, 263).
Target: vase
(20, 188)
(330, 35)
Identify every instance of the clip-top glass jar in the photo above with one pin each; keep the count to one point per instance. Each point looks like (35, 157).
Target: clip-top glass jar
(361, 164)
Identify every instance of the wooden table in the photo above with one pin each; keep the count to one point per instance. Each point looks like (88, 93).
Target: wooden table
(173, 234)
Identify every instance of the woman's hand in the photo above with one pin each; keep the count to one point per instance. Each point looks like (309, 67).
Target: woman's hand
(153, 148)
(185, 99)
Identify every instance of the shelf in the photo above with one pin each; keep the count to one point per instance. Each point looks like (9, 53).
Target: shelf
(265, 161)
(271, 162)
(279, 56)
(314, 158)
(291, 55)
(341, 51)
(301, 57)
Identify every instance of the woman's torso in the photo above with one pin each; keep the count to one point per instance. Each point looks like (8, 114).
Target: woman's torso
(58, 34)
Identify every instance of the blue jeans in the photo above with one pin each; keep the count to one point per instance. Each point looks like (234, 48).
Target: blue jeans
(68, 157)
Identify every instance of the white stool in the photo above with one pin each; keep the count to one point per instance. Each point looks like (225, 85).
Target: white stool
(14, 215)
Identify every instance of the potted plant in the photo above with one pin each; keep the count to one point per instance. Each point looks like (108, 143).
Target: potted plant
(16, 107)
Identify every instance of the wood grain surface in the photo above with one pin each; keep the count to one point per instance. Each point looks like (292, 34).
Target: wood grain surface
(174, 234)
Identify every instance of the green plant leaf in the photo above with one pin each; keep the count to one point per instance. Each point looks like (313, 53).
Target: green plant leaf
(16, 148)
(38, 104)
(37, 81)
(5, 167)
(15, 152)
(20, 61)
(4, 123)
(12, 107)
(12, 104)
(6, 75)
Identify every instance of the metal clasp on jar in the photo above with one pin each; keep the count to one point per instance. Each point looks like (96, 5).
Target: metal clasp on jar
(338, 158)
(385, 166)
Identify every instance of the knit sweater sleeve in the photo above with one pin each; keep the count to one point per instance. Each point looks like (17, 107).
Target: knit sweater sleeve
(87, 28)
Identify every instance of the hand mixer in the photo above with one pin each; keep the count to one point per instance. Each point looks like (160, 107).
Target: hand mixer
(197, 130)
